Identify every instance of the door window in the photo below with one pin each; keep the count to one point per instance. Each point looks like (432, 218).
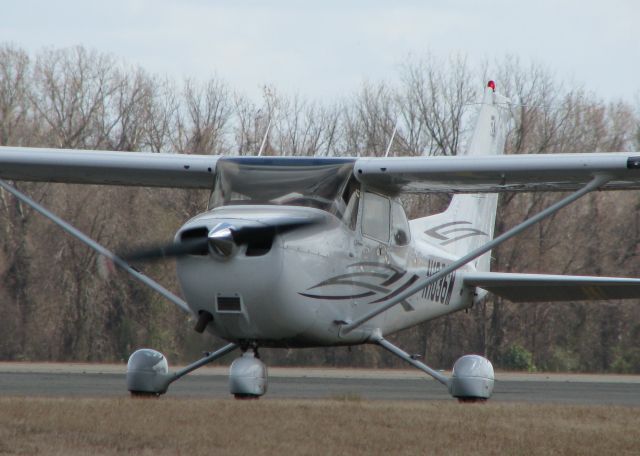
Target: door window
(375, 217)
(400, 234)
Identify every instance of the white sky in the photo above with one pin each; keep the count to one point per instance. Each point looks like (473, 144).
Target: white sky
(326, 49)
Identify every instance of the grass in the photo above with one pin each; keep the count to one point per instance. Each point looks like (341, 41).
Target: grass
(167, 426)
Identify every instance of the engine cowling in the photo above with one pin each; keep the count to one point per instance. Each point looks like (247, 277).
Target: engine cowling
(147, 372)
(247, 377)
(472, 378)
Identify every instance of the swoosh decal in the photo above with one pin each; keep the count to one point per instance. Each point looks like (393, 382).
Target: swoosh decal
(445, 236)
(380, 279)
(398, 290)
(385, 282)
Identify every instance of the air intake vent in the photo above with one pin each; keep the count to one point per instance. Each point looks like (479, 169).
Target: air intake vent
(194, 234)
(259, 247)
(229, 304)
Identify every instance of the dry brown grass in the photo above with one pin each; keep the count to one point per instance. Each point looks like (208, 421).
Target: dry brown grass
(193, 427)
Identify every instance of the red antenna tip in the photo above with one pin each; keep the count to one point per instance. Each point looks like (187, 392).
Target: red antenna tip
(492, 85)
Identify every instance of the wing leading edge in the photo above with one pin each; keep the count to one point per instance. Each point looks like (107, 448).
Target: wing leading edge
(505, 173)
(546, 287)
(462, 174)
(113, 168)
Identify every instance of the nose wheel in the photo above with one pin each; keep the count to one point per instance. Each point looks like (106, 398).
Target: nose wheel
(248, 376)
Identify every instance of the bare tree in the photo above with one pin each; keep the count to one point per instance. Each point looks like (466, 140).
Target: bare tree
(369, 120)
(14, 94)
(124, 119)
(441, 94)
(202, 123)
(254, 122)
(71, 89)
(305, 128)
(161, 108)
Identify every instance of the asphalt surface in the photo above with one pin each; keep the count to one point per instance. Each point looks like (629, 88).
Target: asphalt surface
(79, 380)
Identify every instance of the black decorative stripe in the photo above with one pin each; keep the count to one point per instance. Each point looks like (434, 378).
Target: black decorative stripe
(437, 233)
(378, 285)
(406, 306)
(368, 286)
(399, 290)
(471, 233)
(633, 163)
(374, 264)
(394, 278)
(433, 232)
(338, 280)
(337, 298)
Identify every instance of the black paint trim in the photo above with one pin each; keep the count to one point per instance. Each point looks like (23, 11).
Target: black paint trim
(633, 163)
(444, 236)
(389, 274)
(398, 290)
(337, 298)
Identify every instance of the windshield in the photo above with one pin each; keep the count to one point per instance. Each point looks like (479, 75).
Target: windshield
(318, 183)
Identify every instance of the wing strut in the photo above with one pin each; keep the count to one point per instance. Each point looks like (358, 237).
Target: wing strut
(594, 184)
(384, 343)
(97, 247)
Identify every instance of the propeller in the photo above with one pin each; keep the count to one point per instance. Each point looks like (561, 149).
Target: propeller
(172, 250)
(222, 241)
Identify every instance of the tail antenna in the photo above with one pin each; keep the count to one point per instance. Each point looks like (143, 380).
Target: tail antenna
(393, 135)
(264, 139)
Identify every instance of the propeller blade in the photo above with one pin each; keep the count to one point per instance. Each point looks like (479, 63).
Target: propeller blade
(254, 233)
(221, 240)
(157, 252)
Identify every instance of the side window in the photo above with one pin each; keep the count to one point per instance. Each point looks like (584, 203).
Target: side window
(400, 234)
(375, 217)
(351, 212)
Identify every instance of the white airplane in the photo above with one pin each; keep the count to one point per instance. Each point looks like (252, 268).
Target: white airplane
(317, 252)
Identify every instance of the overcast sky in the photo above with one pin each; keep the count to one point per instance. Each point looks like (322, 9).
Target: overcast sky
(326, 49)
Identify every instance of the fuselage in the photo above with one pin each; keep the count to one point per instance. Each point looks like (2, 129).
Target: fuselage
(310, 281)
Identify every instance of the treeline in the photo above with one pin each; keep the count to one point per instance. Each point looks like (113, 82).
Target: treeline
(55, 305)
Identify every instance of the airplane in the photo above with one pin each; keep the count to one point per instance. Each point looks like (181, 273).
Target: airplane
(318, 251)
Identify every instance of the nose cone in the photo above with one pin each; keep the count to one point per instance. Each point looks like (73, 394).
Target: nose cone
(221, 242)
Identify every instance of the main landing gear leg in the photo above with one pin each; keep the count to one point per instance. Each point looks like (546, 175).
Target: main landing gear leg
(148, 370)
(471, 380)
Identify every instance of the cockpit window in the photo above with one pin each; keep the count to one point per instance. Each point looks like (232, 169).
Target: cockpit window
(400, 233)
(351, 197)
(318, 183)
(375, 217)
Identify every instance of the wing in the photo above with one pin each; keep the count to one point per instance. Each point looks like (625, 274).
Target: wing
(545, 287)
(498, 173)
(100, 167)
(462, 174)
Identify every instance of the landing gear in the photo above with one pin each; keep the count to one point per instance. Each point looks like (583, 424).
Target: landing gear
(148, 370)
(248, 376)
(471, 380)
(148, 373)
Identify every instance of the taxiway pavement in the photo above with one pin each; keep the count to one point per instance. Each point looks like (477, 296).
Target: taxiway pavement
(100, 380)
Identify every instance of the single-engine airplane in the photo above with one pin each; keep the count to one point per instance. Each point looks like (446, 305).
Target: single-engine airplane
(310, 252)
